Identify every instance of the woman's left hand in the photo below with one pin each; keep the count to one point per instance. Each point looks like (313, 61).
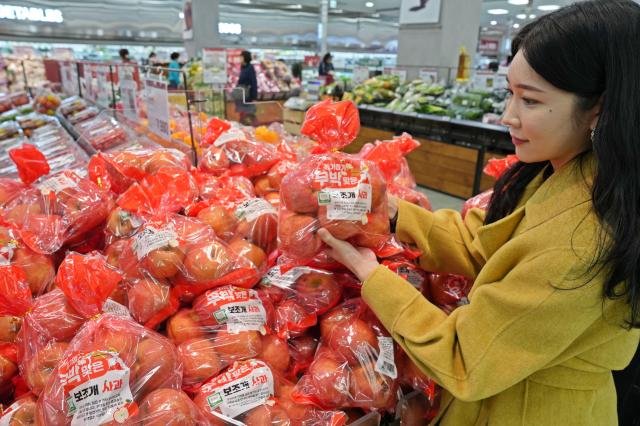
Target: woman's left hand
(359, 260)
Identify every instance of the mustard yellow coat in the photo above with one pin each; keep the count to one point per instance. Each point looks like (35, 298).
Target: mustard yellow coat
(536, 345)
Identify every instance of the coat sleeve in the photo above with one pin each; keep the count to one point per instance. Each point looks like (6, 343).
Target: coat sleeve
(511, 328)
(445, 240)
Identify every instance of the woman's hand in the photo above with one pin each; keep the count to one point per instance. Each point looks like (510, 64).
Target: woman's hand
(359, 260)
(392, 203)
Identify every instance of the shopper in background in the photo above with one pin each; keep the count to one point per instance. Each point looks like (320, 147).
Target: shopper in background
(246, 90)
(325, 69)
(555, 305)
(152, 58)
(124, 55)
(174, 73)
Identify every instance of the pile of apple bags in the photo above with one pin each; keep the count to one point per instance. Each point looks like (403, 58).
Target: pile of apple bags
(153, 292)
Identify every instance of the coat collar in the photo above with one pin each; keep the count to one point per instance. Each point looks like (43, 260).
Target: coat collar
(541, 201)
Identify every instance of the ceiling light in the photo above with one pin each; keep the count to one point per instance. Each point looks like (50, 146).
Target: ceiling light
(497, 11)
(229, 28)
(516, 26)
(519, 2)
(494, 22)
(375, 15)
(548, 7)
(522, 16)
(243, 1)
(333, 4)
(369, 4)
(337, 11)
(294, 6)
(532, 16)
(181, 15)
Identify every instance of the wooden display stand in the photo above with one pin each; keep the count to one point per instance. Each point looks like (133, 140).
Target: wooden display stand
(292, 120)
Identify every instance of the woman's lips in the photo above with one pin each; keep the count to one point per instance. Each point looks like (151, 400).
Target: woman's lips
(517, 141)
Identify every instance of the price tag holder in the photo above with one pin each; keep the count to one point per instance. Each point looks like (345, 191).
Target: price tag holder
(157, 97)
(214, 63)
(128, 91)
(360, 74)
(428, 74)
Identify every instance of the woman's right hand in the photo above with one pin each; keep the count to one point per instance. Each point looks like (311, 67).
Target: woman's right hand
(392, 203)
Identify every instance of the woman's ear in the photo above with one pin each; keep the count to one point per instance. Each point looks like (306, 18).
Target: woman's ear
(595, 113)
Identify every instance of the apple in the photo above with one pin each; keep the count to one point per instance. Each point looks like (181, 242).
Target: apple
(273, 198)
(123, 342)
(298, 194)
(203, 261)
(42, 364)
(200, 360)
(369, 389)
(164, 262)
(318, 292)
(147, 297)
(168, 407)
(121, 223)
(279, 171)
(160, 160)
(262, 186)
(38, 269)
(7, 370)
(184, 326)
(243, 248)
(330, 381)
(353, 337)
(114, 252)
(9, 189)
(222, 221)
(267, 415)
(302, 349)
(9, 327)
(235, 346)
(296, 412)
(414, 410)
(297, 235)
(275, 352)
(262, 231)
(292, 319)
(214, 160)
(343, 314)
(157, 365)
(378, 188)
(54, 317)
(448, 289)
(24, 413)
(374, 233)
(19, 213)
(341, 229)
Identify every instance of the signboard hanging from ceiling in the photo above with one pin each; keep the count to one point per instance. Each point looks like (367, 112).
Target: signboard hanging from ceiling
(420, 12)
(187, 32)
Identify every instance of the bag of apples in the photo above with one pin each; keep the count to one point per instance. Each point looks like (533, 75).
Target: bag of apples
(116, 371)
(84, 282)
(448, 291)
(342, 193)
(252, 393)
(61, 209)
(494, 168)
(355, 365)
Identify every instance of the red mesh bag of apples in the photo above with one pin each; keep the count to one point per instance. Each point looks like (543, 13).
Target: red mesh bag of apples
(115, 371)
(61, 209)
(494, 168)
(342, 193)
(389, 156)
(252, 393)
(355, 365)
(56, 317)
(235, 152)
(117, 171)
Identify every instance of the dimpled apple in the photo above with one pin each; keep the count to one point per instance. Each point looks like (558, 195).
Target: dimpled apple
(164, 262)
(267, 415)
(222, 221)
(9, 328)
(157, 365)
(38, 269)
(184, 326)
(297, 235)
(41, 365)
(200, 360)
(369, 389)
(297, 193)
(234, 346)
(351, 338)
(318, 292)
(168, 407)
(146, 298)
(244, 248)
(275, 352)
(330, 380)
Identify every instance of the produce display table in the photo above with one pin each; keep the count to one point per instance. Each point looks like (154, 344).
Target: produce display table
(453, 152)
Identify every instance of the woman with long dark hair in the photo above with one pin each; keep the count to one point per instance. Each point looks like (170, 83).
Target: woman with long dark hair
(555, 305)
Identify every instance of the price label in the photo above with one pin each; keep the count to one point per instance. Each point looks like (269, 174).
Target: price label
(401, 74)
(214, 66)
(360, 74)
(428, 74)
(157, 98)
(103, 93)
(346, 203)
(69, 77)
(128, 91)
(89, 90)
(386, 362)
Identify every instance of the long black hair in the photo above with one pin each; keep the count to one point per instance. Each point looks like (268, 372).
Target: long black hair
(591, 49)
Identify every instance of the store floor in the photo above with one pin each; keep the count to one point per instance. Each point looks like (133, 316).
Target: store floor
(442, 201)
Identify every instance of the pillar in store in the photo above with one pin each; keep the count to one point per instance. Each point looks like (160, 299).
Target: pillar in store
(422, 45)
(323, 27)
(204, 26)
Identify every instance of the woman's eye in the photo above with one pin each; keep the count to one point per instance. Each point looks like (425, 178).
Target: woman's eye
(528, 101)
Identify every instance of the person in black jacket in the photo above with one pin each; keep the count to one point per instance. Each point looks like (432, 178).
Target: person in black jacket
(249, 84)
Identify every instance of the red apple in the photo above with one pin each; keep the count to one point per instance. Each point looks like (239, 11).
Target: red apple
(330, 380)
(106, 338)
(235, 346)
(200, 360)
(41, 365)
(160, 160)
(55, 316)
(302, 349)
(279, 171)
(157, 365)
(121, 223)
(262, 231)
(147, 297)
(341, 229)
(298, 195)
(38, 269)
(222, 221)
(25, 412)
(249, 251)
(275, 352)
(375, 233)
(205, 261)
(184, 326)
(369, 389)
(350, 338)
(318, 292)
(114, 252)
(292, 319)
(262, 186)
(7, 370)
(297, 235)
(214, 160)
(266, 415)
(169, 407)
(273, 198)
(164, 262)
(9, 327)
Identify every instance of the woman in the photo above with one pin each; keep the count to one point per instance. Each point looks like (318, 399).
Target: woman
(555, 305)
(174, 73)
(325, 69)
(246, 90)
